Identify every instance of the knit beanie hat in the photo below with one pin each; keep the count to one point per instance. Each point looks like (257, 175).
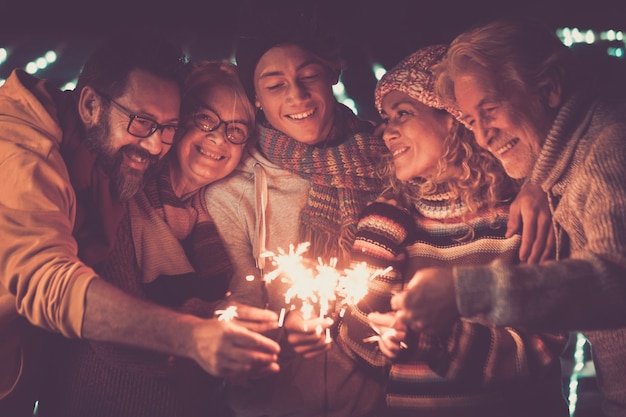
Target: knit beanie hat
(264, 24)
(414, 77)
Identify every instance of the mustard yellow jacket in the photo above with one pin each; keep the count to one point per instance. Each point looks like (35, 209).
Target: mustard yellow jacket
(39, 266)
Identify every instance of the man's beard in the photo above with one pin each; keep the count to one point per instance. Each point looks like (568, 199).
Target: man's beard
(126, 180)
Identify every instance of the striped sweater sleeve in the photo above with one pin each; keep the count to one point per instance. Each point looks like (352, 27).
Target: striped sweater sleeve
(379, 244)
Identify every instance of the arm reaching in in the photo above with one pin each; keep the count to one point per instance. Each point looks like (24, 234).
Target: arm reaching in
(221, 348)
(428, 304)
(530, 215)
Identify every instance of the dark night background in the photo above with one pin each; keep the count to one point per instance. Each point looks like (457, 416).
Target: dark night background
(369, 31)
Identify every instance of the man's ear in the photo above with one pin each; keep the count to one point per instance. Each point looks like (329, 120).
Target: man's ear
(553, 92)
(89, 106)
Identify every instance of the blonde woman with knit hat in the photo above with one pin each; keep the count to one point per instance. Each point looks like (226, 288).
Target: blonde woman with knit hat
(446, 202)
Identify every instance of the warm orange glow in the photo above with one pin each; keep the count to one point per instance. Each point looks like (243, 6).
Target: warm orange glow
(318, 289)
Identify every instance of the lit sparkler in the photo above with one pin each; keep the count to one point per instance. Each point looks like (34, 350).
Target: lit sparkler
(318, 288)
(383, 335)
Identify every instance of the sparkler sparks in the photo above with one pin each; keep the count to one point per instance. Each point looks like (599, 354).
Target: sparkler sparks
(318, 289)
(228, 314)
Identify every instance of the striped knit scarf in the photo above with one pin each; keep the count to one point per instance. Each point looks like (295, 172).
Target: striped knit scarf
(342, 176)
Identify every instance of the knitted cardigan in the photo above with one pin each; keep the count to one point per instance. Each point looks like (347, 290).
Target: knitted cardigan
(582, 167)
(478, 370)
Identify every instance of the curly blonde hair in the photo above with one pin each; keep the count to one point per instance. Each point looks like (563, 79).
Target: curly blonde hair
(482, 182)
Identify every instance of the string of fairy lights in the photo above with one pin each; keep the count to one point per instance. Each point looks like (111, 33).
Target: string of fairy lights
(569, 37)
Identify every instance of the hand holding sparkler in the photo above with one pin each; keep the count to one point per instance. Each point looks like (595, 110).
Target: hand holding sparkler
(225, 349)
(390, 334)
(428, 303)
(309, 337)
(310, 294)
(252, 318)
(314, 292)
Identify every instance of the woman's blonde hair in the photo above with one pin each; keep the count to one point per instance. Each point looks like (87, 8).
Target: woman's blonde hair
(481, 182)
(203, 75)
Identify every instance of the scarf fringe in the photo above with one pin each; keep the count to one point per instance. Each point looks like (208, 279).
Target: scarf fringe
(326, 244)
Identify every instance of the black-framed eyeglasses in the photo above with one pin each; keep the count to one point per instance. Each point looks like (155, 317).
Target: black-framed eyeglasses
(207, 120)
(144, 127)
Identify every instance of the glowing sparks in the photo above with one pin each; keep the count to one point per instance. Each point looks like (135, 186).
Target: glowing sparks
(228, 314)
(317, 289)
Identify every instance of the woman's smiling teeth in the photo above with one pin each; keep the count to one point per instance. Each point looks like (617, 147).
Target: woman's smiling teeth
(208, 154)
(399, 151)
(300, 116)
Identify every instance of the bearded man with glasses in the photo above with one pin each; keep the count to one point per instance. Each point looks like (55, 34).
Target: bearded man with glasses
(70, 161)
(142, 127)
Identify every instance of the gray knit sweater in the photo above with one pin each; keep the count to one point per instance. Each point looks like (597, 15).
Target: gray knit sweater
(328, 385)
(582, 167)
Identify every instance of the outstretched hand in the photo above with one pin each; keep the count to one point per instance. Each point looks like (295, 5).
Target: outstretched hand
(530, 215)
(428, 304)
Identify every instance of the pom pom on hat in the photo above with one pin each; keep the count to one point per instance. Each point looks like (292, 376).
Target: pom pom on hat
(414, 77)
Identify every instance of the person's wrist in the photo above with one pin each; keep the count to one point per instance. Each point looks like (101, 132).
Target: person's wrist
(188, 331)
